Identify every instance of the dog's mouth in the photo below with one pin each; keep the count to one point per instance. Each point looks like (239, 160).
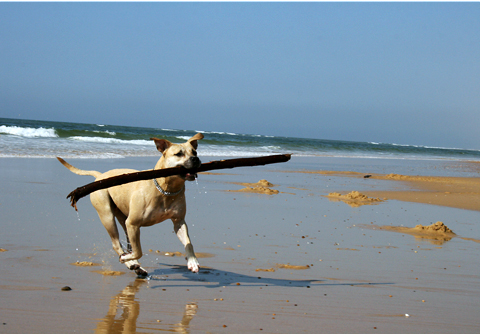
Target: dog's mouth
(190, 164)
(190, 177)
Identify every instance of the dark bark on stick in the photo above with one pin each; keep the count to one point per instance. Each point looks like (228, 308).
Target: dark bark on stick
(156, 173)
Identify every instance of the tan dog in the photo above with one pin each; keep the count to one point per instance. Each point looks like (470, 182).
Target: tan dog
(146, 203)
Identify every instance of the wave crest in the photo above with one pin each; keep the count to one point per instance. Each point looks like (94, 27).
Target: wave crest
(28, 132)
(111, 140)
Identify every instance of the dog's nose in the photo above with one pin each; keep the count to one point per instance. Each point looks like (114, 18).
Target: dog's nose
(192, 162)
(195, 161)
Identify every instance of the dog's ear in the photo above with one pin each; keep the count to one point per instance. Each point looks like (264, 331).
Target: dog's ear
(193, 140)
(162, 144)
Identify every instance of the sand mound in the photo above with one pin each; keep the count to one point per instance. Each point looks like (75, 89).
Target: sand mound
(264, 183)
(438, 227)
(354, 198)
(259, 190)
(261, 187)
(438, 233)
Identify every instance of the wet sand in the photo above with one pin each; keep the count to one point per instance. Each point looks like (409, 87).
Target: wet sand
(293, 261)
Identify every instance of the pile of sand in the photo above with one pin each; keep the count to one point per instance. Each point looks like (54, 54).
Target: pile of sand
(261, 187)
(437, 233)
(354, 198)
(438, 227)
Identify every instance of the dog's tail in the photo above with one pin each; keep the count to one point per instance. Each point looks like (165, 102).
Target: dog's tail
(75, 170)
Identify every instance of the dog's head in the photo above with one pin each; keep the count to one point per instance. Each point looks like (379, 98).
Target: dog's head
(174, 155)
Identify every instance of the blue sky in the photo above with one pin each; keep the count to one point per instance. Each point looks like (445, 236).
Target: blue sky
(406, 73)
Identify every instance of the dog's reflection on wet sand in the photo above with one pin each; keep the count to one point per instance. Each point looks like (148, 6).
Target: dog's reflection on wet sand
(124, 309)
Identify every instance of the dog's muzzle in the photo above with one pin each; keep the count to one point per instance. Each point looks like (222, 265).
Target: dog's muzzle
(193, 162)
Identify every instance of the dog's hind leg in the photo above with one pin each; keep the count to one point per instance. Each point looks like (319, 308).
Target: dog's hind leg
(107, 212)
(181, 230)
(105, 208)
(121, 218)
(132, 264)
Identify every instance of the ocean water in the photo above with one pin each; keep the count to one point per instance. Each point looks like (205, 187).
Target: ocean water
(43, 139)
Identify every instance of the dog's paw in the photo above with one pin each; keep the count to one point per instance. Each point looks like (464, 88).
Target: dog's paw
(139, 270)
(192, 265)
(122, 258)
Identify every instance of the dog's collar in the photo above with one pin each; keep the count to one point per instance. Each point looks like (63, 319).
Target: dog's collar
(167, 193)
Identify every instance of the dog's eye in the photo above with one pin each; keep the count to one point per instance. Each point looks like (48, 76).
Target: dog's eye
(194, 153)
(179, 154)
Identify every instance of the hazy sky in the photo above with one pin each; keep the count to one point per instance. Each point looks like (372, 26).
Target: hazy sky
(406, 73)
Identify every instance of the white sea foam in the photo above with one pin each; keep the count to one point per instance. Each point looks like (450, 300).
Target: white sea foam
(111, 140)
(65, 155)
(183, 137)
(272, 148)
(219, 133)
(435, 147)
(112, 133)
(235, 151)
(28, 132)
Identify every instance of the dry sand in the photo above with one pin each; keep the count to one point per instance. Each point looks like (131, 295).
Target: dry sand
(455, 192)
(285, 263)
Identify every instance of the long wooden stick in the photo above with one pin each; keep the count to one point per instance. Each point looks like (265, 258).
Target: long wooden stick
(155, 173)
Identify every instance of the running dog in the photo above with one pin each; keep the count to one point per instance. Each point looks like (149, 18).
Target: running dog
(146, 203)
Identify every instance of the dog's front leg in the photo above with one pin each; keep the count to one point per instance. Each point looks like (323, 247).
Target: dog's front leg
(133, 233)
(181, 230)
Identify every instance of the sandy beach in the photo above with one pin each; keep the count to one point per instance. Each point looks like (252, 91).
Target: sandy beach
(326, 245)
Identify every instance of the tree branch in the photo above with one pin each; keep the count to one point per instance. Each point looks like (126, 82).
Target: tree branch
(156, 173)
